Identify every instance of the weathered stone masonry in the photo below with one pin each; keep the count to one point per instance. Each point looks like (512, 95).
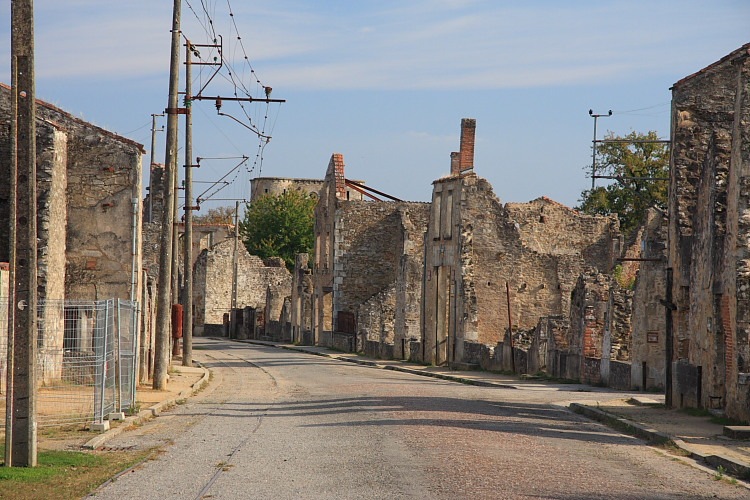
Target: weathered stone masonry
(475, 245)
(367, 255)
(213, 286)
(89, 186)
(88, 210)
(709, 214)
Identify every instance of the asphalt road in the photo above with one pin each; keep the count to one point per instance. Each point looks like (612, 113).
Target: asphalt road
(280, 424)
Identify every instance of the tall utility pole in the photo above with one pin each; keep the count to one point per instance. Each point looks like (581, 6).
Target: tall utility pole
(235, 271)
(21, 436)
(187, 297)
(593, 146)
(151, 193)
(164, 303)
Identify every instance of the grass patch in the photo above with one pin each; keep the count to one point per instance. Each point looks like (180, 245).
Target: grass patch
(715, 419)
(696, 412)
(726, 421)
(64, 474)
(549, 378)
(673, 449)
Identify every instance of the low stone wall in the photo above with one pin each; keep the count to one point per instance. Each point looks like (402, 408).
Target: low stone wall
(343, 342)
(562, 364)
(619, 375)
(415, 351)
(592, 371)
(213, 330)
(375, 349)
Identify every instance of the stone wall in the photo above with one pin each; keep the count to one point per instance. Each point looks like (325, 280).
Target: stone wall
(367, 252)
(325, 214)
(279, 185)
(88, 217)
(376, 320)
(378, 270)
(539, 249)
(52, 214)
(301, 300)
(92, 224)
(708, 212)
(649, 314)
(212, 293)
(410, 277)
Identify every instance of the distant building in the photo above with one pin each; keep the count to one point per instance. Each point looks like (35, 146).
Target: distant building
(279, 185)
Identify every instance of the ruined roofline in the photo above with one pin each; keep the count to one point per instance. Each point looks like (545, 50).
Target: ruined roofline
(296, 179)
(454, 176)
(739, 53)
(557, 204)
(372, 202)
(80, 121)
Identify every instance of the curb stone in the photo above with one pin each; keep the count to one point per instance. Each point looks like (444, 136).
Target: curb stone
(150, 412)
(731, 465)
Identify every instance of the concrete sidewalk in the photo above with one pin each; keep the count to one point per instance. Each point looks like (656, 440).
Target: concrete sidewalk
(701, 437)
(183, 382)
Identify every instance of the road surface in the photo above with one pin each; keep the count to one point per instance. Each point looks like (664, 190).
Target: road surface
(281, 424)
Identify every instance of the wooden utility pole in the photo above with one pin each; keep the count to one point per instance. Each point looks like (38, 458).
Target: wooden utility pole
(164, 303)
(151, 193)
(21, 435)
(235, 272)
(187, 297)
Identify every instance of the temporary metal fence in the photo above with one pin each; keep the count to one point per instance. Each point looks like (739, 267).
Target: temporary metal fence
(86, 360)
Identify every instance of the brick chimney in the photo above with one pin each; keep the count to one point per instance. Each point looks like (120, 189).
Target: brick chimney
(337, 165)
(466, 155)
(454, 163)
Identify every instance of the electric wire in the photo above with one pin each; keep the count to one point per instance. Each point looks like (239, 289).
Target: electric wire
(259, 124)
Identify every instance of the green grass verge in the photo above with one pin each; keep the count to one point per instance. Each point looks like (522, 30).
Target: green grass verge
(64, 474)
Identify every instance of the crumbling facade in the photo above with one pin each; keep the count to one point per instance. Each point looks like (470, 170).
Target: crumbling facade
(88, 224)
(300, 305)
(212, 289)
(709, 226)
(89, 208)
(478, 250)
(367, 253)
(647, 273)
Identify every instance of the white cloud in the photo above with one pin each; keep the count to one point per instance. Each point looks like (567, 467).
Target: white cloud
(446, 44)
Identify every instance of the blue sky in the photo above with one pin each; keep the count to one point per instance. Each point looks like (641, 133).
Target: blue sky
(386, 83)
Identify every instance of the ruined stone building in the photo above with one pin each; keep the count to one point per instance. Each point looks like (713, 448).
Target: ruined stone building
(279, 185)
(368, 268)
(89, 221)
(709, 227)
(430, 282)
(475, 245)
(261, 286)
(89, 205)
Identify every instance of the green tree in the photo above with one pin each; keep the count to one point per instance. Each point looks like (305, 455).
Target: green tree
(279, 226)
(638, 170)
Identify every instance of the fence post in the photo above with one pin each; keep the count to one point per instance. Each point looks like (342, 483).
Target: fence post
(136, 350)
(103, 364)
(118, 359)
